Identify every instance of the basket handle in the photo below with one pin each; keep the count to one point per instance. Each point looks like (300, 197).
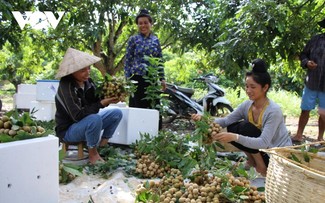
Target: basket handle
(306, 144)
(271, 150)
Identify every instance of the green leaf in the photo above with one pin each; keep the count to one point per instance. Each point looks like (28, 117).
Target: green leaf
(261, 189)
(295, 158)
(220, 145)
(15, 127)
(147, 185)
(306, 157)
(72, 170)
(313, 150)
(242, 172)
(25, 136)
(143, 197)
(238, 189)
(61, 155)
(65, 177)
(6, 138)
(252, 173)
(228, 192)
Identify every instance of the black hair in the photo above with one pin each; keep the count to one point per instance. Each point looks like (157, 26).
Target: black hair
(322, 23)
(259, 73)
(143, 13)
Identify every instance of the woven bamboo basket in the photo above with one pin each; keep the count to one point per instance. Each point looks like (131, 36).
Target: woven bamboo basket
(289, 181)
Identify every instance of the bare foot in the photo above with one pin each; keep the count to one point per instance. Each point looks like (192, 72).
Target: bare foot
(261, 170)
(96, 159)
(94, 156)
(297, 138)
(103, 142)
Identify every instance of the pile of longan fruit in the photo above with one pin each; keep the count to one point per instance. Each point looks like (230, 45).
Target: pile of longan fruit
(214, 128)
(114, 87)
(7, 128)
(148, 168)
(173, 188)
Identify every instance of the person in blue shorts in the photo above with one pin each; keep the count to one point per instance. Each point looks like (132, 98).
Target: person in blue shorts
(313, 60)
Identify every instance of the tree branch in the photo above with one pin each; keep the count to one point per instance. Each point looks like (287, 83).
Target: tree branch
(119, 30)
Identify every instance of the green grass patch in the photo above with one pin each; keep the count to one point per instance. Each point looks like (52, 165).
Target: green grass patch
(288, 101)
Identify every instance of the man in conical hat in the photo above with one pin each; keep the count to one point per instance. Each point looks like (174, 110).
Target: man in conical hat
(313, 61)
(77, 106)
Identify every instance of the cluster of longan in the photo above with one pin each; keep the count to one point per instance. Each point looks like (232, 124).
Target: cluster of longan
(114, 87)
(148, 168)
(214, 128)
(204, 189)
(7, 128)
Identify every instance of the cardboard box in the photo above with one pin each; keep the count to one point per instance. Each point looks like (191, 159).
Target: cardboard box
(134, 122)
(30, 171)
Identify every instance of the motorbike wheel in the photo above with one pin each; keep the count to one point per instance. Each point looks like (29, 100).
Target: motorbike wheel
(221, 110)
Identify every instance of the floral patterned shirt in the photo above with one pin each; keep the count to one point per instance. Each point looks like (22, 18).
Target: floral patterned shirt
(139, 46)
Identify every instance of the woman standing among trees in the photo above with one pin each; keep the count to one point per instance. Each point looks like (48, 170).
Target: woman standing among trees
(145, 43)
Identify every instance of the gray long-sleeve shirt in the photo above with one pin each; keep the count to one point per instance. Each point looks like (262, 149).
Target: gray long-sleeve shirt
(274, 131)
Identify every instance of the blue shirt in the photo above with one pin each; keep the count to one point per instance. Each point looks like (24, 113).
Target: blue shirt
(139, 46)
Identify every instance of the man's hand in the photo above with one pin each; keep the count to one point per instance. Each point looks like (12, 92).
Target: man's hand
(110, 100)
(311, 65)
(196, 117)
(163, 85)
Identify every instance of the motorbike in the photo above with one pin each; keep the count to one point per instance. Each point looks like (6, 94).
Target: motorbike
(181, 105)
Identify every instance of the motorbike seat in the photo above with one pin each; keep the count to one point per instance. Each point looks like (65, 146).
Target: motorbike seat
(185, 90)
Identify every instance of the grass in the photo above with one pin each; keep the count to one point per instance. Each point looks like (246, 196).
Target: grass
(7, 91)
(288, 101)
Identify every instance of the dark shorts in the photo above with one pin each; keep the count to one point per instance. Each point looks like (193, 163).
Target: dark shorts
(247, 129)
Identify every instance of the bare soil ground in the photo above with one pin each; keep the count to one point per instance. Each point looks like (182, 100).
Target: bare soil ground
(311, 129)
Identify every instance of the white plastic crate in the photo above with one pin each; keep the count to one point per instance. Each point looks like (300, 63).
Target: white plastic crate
(46, 89)
(29, 171)
(43, 110)
(134, 122)
(22, 100)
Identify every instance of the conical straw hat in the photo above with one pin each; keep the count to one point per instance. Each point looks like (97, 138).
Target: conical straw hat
(75, 60)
